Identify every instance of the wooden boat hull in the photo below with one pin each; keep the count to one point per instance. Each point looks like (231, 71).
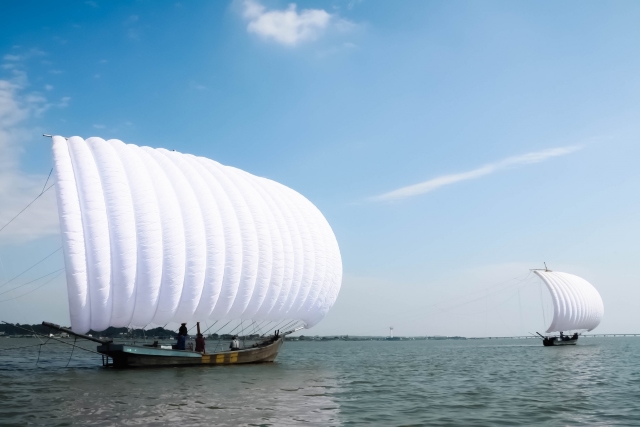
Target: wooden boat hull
(131, 356)
(554, 341)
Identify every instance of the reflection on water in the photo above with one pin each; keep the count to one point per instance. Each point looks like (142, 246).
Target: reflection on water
(268, 394)
(474, 382)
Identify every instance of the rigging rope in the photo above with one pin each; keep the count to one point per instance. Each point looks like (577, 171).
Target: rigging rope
(209, 327)
(25, 208)
(274, 327)
(544, 319)
(72, 348)
(52, 338)
(264, 325)
(484, 293)
(34, 280)
(257, 328)
(38, 359)
(47, 181)
(15, 277)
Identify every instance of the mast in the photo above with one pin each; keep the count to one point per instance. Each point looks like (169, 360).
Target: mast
(70, 332)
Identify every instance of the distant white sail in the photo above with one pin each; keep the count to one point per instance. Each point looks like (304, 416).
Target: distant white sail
(153, 236)
(577, 304)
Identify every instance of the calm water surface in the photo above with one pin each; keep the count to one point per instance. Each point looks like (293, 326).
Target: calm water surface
(473, 382)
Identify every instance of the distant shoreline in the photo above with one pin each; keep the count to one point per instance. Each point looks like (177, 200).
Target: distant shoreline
(11, 331)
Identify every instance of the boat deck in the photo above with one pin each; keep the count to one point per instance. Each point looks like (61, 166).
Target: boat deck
(134, 356)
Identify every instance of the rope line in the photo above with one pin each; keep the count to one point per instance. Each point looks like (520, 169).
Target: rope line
(47, 181)
(274, 327)
(34, 280)
(52, 338)
(15, 277)
(447, 303)
(210, 327)
(72, 348)
(25, 208)
(38, 359)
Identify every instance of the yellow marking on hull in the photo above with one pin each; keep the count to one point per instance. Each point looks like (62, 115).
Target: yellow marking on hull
(233, 358)
(206, 358)
(220, 358)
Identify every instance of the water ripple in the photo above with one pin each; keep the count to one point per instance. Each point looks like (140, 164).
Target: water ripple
(415, 383)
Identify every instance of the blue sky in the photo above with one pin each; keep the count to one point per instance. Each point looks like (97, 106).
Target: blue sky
(451, 145)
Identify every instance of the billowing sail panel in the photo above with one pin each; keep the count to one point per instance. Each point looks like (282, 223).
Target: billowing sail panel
(152, 236)
(577, 305)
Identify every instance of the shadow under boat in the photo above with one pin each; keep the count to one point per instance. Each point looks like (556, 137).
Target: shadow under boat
(140, 356)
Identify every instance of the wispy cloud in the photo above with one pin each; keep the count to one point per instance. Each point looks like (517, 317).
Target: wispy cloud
(289, 27)
(23, 56)
(17, 187)
(441, 181)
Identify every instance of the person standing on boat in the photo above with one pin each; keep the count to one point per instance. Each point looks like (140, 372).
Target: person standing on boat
(183, 329)
(200, 343)
(182, 337)
(235, 344)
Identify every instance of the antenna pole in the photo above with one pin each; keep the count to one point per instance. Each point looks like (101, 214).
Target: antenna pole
(545, 266)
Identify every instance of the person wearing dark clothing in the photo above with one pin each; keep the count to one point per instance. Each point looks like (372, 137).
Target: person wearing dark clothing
(182, 338)
(182, 342)
(183, 329)
(200, 343)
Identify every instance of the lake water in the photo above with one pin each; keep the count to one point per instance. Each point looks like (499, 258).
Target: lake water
(401, 383)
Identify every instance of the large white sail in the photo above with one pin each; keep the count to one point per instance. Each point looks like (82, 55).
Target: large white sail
(152, 236)
(577, 305)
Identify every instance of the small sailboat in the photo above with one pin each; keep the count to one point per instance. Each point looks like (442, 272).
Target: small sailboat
(577, 307)
(152, 236)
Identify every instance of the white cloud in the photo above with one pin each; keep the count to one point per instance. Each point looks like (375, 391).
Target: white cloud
(23, 56)
(435, 183)
(99, 126)
(18, 188)
(288, 27)
(48, 87)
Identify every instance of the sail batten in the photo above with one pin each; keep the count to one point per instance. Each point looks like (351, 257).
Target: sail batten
(152, 236)
(577, 305)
